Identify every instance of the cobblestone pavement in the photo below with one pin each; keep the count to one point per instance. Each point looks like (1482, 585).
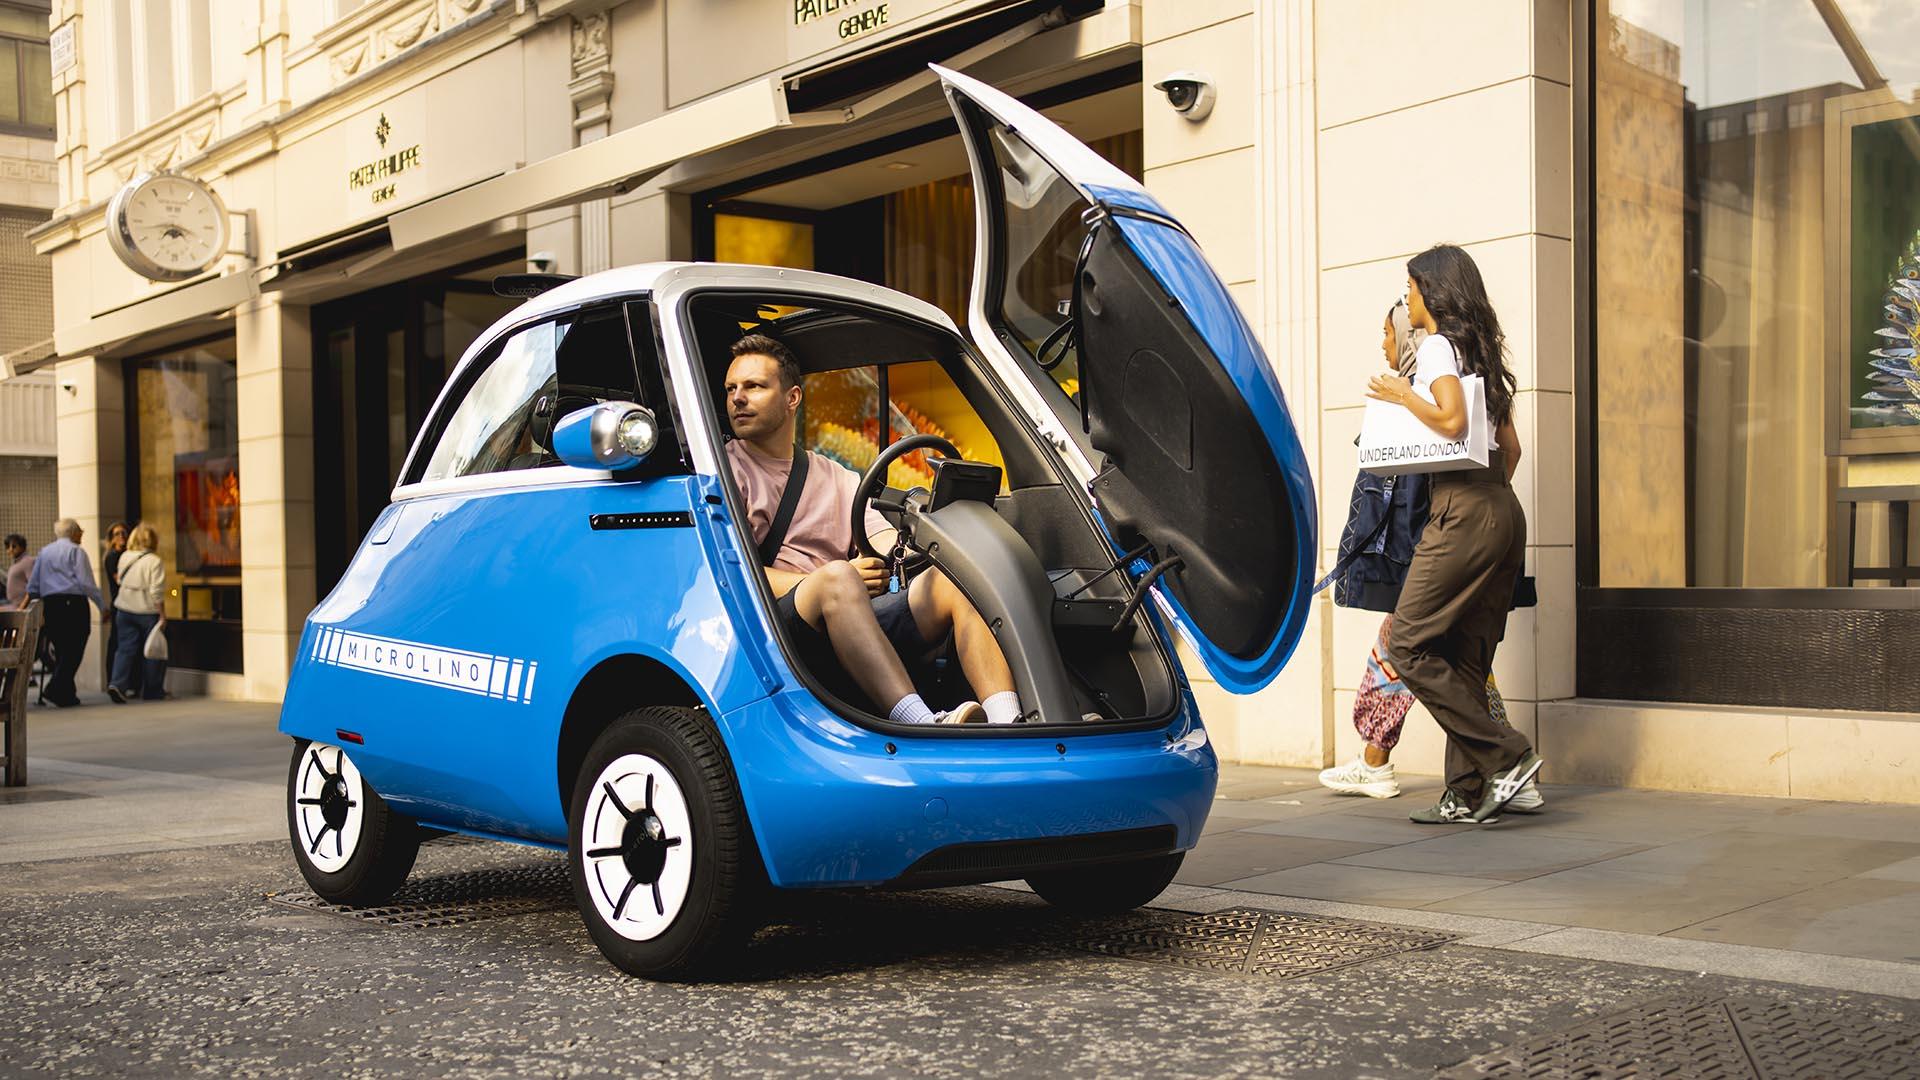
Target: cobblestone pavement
(150, 925)
(178, 962)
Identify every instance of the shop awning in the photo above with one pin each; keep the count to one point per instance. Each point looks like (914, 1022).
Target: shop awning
(25, 359)
(184, 304)
(608, 166)
(623, 161)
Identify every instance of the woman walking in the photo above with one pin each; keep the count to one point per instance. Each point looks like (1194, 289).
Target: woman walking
(1385, 521)
(139, 607)
(1452, 610)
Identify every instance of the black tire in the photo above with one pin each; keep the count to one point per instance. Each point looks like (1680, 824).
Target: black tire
(379, 853)
(697, 897)
(1109, 888)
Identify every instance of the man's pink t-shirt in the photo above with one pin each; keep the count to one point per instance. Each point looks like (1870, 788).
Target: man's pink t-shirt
(822, 527)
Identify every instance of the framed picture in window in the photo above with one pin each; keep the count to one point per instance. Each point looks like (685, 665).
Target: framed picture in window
(1873, 278)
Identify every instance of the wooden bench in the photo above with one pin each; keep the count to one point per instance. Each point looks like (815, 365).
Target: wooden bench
(19, 643)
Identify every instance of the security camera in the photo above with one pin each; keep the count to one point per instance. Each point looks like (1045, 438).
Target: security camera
(542, 262)
(1189, 92)
(69, 386)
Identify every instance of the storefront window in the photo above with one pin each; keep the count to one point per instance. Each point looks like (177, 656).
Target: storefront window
(185, 441)
(1756, 204)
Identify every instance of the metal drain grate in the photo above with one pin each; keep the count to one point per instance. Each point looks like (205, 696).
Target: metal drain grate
(1248, 941)
(457, 898)
(1697, 1038)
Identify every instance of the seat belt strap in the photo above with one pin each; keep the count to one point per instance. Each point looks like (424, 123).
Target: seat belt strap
(783, 514)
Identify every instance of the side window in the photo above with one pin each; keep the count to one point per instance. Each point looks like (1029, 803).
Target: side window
(1042, 246)
(524, 385)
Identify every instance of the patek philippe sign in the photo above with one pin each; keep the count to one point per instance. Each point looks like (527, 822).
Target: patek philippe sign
(817, 26)
(398, 150)
(850, 18)
(380, 176)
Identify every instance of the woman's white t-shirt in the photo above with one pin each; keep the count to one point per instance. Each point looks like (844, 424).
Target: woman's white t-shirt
(1435, 359)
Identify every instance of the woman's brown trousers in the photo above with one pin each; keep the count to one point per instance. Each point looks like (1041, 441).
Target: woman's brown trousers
(1453, 613)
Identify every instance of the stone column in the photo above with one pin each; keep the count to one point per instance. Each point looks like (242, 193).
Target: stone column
(591, 89)
(1475, 151)
(1242, 180)
(274, 373)
(90, 428)
(1297, 727)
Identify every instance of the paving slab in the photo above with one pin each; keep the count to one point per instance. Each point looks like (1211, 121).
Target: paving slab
(1222, 857)
(1363, 884)
(1787, 862)
(1489, 853)
(1875, 919)
(1333, 825)
(1607, 899)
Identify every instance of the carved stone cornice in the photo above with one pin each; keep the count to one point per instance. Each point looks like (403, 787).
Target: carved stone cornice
(592, 43)
(28, 170)
(591, 88)
(382, 30)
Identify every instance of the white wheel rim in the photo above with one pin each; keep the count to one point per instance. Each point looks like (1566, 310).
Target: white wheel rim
(329, 801)
(637, 847)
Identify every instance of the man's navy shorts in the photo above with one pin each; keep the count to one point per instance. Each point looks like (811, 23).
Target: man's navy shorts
(813, 650)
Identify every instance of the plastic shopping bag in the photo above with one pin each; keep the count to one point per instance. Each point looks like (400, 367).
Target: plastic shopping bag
(1393, 440)
(156, 647)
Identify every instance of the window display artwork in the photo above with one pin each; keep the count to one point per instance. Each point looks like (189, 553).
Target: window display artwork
(1893, 369)
(1873, 212)
(206, 508)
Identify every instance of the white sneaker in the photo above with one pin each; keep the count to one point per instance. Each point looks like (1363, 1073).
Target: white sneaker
(967, 712)
(1359, 778)
(1527, 800)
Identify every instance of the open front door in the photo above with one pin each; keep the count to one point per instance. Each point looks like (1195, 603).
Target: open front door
(1089, 291)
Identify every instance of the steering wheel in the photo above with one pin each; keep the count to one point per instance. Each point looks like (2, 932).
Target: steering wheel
(875, 478)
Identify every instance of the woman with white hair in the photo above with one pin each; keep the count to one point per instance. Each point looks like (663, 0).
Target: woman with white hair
(138, 609)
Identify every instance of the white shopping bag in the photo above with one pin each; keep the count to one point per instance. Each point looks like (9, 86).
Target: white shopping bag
(1393, 440)
(156, 647)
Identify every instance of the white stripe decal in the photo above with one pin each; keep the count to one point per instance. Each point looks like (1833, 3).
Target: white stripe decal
(532, 666)
(434, 665)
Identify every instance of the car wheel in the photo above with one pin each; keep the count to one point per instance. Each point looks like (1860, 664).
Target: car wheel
(1108, 888)
(351, 847)
(663, 861)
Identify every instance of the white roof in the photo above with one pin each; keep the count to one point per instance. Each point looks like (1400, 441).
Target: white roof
(657, 276)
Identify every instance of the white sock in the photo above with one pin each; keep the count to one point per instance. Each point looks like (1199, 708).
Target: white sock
(1003, 708)
(911, 710)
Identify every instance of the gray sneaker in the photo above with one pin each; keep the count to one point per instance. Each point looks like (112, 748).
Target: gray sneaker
(1450, 810)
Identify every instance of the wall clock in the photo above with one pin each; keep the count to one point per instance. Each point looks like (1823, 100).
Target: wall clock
(166, 226)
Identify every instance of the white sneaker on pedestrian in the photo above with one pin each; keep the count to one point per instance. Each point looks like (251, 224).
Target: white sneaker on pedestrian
(1528, 800)
(1357, 777)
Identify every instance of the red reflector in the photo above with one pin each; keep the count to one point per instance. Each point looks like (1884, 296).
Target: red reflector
(350, 736)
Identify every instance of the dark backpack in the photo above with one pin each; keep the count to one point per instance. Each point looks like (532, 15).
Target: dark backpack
(1384, 520)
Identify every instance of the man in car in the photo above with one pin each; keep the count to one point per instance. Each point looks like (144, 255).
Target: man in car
(837, 611)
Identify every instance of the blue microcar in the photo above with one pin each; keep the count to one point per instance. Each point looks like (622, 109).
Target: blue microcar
(559, 633)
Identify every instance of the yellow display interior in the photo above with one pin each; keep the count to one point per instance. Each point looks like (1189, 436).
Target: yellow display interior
(840, 420)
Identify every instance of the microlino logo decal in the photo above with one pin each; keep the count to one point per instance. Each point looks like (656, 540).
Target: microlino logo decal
(505, 677)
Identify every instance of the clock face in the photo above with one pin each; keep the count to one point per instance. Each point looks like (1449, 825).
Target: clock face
(168, 227)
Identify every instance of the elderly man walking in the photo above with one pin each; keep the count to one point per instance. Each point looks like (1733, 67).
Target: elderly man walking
(62, 580)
